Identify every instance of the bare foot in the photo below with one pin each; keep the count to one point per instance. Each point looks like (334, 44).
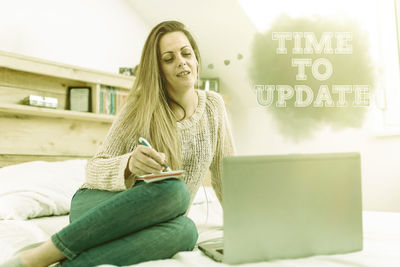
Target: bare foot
(41, 256)
(30, 259)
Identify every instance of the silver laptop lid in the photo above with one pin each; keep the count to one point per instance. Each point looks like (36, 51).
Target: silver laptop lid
(291, 206)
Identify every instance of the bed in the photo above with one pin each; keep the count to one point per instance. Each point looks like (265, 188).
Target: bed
(35, 198)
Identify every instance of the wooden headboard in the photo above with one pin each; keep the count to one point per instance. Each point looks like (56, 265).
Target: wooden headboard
(32, 133)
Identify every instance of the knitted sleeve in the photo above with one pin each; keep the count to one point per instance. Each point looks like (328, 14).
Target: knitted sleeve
(225, 146)
(106, 170)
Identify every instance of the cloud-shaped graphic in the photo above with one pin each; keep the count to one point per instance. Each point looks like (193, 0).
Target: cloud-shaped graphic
(268, 67)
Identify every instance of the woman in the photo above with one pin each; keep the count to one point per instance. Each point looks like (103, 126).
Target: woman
(117, 220)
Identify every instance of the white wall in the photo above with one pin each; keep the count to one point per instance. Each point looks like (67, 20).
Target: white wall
(257, 133)
(97, 34)
(222, 30)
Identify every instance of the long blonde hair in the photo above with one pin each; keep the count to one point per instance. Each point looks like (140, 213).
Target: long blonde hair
(148, 102)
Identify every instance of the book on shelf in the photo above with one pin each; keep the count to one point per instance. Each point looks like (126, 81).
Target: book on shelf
(108, 99)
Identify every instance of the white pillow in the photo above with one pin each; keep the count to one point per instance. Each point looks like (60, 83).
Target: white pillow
(39, 188)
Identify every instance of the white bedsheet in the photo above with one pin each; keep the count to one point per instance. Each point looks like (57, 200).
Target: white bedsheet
(381, 248)
(381, 240)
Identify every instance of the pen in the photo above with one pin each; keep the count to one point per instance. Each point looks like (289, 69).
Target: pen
(146, 143)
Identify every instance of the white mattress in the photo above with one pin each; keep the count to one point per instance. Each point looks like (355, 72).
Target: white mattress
(381, 240)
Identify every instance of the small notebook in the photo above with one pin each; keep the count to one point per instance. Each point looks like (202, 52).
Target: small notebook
(149, 178)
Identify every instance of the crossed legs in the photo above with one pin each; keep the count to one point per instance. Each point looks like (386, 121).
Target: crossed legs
(140, 224)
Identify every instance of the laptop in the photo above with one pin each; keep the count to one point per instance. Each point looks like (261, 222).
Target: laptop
(289, 206)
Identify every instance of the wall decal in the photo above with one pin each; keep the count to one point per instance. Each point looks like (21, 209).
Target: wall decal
(312, 72)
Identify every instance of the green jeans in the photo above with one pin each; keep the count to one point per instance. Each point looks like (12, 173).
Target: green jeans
(143, 223)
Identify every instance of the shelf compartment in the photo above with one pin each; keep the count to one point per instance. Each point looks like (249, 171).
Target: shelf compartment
(17, 109)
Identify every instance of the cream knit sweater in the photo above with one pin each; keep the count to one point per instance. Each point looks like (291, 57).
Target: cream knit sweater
(205, 139)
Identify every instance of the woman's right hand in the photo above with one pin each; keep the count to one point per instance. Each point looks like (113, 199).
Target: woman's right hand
(145, 160)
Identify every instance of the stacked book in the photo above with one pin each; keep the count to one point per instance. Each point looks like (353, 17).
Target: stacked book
(40, 101)
(109, 100)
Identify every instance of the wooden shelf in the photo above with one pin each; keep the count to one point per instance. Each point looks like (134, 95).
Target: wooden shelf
(16, 109)
(70, 72)
(32, 133)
